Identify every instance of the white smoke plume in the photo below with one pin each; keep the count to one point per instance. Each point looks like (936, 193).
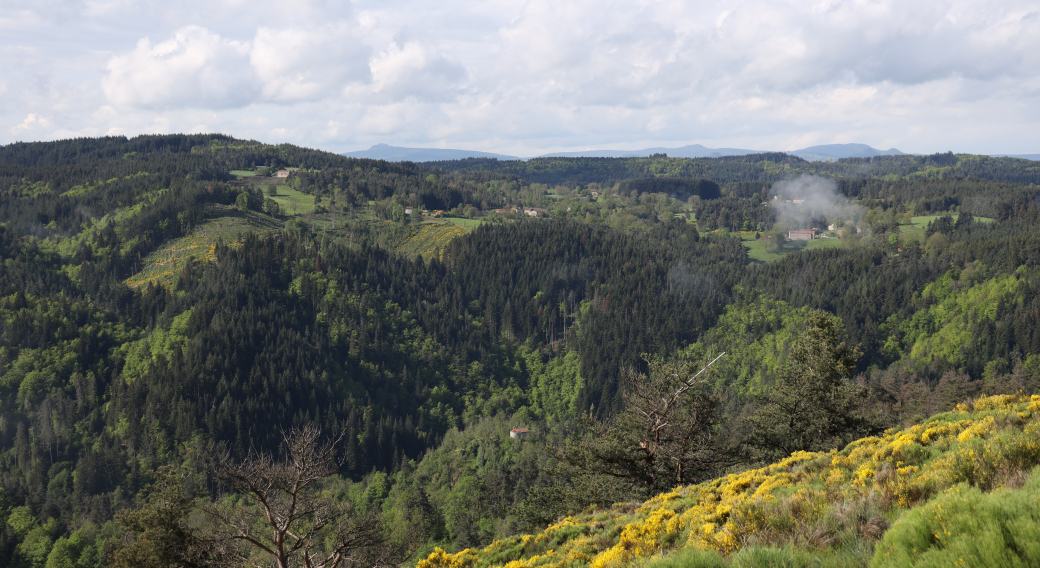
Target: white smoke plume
(812, 202)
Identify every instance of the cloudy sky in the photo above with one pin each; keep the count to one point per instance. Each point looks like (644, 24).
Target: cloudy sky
(528, 77)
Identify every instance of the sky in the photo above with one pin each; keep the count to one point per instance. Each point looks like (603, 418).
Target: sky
(529, 77)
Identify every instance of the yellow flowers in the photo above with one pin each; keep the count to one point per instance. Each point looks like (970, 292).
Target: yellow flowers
(977, 429)
(441, 559)
(163, 264)
(429, 240)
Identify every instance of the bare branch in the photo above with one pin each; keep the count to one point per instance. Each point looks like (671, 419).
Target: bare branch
(281, 516)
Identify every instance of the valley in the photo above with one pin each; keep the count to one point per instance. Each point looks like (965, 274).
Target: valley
(167, 298)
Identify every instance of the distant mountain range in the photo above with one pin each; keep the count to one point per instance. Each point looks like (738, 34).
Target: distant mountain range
(398, 154)
(812, 153)
(1023, 156)
(691, 151)
(838, 151)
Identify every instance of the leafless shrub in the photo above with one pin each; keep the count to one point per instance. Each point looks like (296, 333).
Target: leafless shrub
(281, 517)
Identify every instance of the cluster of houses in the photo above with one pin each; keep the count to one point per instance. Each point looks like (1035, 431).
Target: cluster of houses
(530, 211)
(813, 233)
(803, 234)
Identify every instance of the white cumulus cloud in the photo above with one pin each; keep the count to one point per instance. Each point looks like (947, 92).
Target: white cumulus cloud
(415, 70)
(194, 68)
(299, 64)
(31, 122)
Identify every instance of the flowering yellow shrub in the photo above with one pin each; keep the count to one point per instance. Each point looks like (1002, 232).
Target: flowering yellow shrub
(441, 559)
(903, 468)
(429, 239)
(161, 266)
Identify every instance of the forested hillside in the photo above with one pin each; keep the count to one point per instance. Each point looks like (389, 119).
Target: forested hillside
(163, 297)
(770, 166)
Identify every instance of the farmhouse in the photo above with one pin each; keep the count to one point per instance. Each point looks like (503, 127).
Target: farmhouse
(518, 433)
(282, 173)
(801, 234)
(535, 212)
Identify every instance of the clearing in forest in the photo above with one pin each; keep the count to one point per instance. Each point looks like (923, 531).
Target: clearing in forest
(225, 225)
(292, 202)
(758, 250)
(919, 224)
(429, 238)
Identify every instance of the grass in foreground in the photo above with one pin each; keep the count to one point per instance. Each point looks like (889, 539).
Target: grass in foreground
(961, 489)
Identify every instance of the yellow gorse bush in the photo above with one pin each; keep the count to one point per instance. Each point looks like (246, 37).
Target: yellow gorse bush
(162, 265)
(429, 240)
(980, 443)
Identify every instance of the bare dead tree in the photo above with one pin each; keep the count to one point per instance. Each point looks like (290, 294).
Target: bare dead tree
(281, 516)
(677, 418)
(667, 435)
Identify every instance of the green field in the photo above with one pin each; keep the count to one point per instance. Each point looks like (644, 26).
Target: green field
(293, 202)
(918, 224)
(242, 173)
(758, 252)
(465, 223)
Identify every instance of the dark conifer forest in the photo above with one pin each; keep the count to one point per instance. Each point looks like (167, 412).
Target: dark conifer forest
(162, 297)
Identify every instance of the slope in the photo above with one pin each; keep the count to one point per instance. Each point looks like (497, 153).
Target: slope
(878, 501)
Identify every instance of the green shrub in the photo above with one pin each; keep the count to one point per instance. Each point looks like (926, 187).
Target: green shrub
(689, 558)
(773, 556)
(966, 527)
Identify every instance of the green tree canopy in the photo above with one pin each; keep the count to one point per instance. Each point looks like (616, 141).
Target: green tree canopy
(813, 405)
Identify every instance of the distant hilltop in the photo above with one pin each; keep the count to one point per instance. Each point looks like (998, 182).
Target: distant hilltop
(1022, 156)
(399, 154)
(691, 151)
(813, 153)
(838, 151)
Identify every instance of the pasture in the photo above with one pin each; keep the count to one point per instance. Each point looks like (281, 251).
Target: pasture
(293, 202)
(758, 249)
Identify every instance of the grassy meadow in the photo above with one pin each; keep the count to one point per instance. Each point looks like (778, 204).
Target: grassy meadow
(293, 202)
(759, 251)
